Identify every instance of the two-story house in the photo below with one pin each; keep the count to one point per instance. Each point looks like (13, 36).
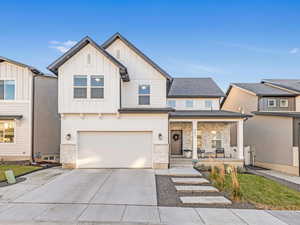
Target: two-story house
(273, 131)
(29, 122)
(119, 109)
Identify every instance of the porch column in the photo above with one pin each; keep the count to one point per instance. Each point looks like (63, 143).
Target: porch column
(195, 134)
(240, 139)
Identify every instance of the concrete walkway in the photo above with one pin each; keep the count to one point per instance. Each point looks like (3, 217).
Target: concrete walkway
(127, 214)
(283, 176)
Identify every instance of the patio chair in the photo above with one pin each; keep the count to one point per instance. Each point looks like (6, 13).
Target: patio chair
(200, 153)
(220, 151)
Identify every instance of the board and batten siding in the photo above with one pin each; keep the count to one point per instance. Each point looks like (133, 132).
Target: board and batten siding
(78, 65)
(140, 72)
(198, 103)
(297, 103)
(20, 106)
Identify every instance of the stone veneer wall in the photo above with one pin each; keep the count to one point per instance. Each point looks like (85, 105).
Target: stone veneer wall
(187, 136)
(204, 134)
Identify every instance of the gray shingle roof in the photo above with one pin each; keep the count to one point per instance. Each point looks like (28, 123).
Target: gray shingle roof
(291, 84)
(34, 70)
(206, 113)
(117, 35)
(263, 89)
(194, 87)
(284, 114)
(76, 48)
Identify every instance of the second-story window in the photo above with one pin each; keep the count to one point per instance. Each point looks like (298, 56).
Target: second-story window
(172, 103)
(271, 103)
(208, 104)
(189, 103)
(80, 86)
(97, 86)
(7, 89)
(144, 94)
(284, 103)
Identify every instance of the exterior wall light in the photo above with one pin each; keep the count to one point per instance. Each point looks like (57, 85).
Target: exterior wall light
(68, 137)
(160, 137)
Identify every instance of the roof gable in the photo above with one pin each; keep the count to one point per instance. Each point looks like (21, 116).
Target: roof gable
(31, 68)
(76, 48)
(290, 84)
(194, 87)
(117, 35)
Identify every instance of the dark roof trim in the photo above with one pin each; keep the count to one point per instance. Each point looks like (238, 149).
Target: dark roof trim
(207, 114)
(146, 110)
(284, 114)
(76, 48)
(117, 35)
(195, 96)
(10, 117)
(280, 86)
(32, 69)
(226, 95)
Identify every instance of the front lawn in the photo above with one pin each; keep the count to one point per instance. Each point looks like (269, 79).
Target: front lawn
(265, 193)
(18, 170)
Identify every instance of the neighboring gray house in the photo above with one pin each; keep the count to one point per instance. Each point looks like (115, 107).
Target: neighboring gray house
(119, 109)
(273, 131)
(29, 122)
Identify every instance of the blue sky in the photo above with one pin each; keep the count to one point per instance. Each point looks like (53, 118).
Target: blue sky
(231, 41)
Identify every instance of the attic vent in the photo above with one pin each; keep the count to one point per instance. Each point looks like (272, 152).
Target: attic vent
(88, 59)
(118, 54)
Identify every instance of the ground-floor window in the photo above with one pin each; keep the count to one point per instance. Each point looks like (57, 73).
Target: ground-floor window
(216, 141)
(7, 131)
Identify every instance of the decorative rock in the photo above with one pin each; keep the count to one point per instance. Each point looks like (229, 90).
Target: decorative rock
(196, 189)
(190, 181)
(205, 200)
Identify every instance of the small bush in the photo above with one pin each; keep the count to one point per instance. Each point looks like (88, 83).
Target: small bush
(236, 192)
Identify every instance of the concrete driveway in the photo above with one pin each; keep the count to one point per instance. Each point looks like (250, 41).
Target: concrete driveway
(98, 186)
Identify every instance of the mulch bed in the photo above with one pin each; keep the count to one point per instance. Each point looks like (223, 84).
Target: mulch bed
(168, 196)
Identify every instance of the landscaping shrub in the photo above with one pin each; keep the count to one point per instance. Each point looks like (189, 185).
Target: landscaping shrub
(236, 192)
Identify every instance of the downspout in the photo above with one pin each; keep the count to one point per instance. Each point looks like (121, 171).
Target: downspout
(32, 118)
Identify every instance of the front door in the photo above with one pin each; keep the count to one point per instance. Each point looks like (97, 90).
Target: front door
(176, 142)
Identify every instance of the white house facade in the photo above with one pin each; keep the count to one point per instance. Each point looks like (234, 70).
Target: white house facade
(117, 109)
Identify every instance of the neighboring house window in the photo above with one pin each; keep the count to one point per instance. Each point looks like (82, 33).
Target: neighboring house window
(284, 103)
(80, 86)
(172, 103)
(144, 94)
(271, 103)
(7, 89)
(189, 103)
(7, 131)
(97, 86)
(216, 139)
(208, 104)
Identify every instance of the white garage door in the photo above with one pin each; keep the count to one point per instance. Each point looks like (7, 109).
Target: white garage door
(115, 150)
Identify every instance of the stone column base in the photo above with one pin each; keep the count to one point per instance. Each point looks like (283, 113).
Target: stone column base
(160, 165)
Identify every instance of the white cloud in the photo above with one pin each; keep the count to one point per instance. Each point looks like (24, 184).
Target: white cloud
(62, 46)
(294, 51)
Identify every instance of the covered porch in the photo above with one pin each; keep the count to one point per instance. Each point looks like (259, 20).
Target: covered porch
(210, 140)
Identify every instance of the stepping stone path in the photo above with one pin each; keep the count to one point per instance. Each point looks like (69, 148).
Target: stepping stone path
(205, 200)
(190, 180)
(194, 183)
(194, 188)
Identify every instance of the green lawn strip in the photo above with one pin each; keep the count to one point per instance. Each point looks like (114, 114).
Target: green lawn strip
(265, 193)
(18, 170)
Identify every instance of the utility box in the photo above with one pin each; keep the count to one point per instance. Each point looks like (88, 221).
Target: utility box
(10, 177)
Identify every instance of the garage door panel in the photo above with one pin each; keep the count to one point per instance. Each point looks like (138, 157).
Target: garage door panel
(115, 150)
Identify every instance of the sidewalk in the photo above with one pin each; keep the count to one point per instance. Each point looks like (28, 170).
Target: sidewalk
(13, 213)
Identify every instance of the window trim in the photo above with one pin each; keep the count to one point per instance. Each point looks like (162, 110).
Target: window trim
(272, 99)
(147, 95)
(98, 87)
(171, 100)
(87, 82)
(286, 100)
(15, 133)
(211, 104)
(88, 88)
(215, 138)
(189, 100)
(15, 91)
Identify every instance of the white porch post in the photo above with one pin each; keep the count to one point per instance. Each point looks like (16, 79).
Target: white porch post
(240, 139)
(195, 134)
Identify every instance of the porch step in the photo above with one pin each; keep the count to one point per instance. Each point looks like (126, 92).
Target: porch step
(190, 181)
(208, 200)
(194, 189)
(181, 162)
(181, 165)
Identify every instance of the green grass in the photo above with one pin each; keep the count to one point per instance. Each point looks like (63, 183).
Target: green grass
(18, 170)
(265, 193)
